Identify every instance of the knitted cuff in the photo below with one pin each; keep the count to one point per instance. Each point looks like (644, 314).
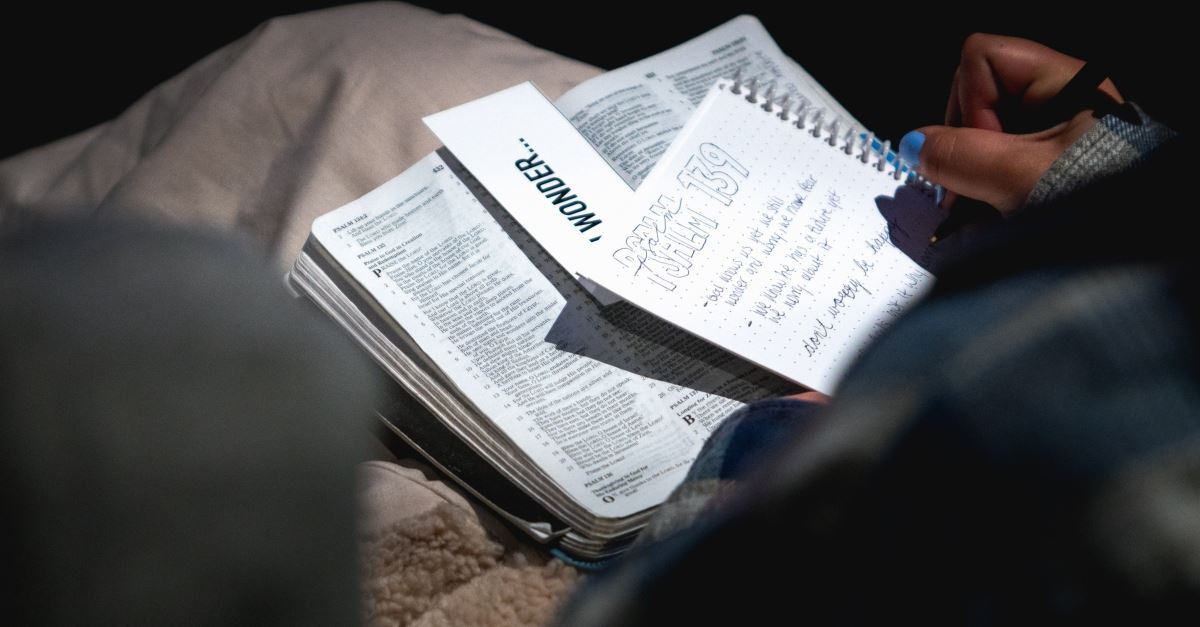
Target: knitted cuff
(1112, 145)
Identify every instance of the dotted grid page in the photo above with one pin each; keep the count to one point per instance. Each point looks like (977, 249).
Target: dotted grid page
(767, 240)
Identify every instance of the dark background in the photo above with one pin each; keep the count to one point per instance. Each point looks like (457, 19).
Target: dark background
(69, 68)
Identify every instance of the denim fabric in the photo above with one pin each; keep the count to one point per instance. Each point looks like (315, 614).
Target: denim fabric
(740, 443)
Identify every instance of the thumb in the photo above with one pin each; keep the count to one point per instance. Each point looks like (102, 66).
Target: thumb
(997, 168)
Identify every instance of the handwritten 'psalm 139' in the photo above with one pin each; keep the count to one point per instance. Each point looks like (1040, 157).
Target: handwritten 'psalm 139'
(662, 246)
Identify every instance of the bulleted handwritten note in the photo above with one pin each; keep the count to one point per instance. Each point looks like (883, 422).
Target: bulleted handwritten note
(766, 239)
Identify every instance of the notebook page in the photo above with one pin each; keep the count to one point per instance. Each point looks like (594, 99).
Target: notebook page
(765, 240)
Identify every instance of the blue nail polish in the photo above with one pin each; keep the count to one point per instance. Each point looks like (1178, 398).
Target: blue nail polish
(910, 147)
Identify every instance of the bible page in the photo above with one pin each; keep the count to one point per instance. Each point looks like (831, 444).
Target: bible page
(631, 114)
(611, 404)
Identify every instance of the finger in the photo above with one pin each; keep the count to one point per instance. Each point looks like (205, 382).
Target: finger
(953, 110)
(1110, 88)
(948, 199)
(978, 92)
(997, 168)
(995, 68)
(812, 397)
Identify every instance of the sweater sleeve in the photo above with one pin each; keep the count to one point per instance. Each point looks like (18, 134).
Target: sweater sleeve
(1114, 144)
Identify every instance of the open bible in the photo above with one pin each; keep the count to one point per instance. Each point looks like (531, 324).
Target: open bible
(571, 413)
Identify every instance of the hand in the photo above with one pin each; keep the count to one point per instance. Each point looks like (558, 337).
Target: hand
(811, 396)
(998, 79)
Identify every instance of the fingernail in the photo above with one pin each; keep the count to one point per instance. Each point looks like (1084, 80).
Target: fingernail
(910, 147)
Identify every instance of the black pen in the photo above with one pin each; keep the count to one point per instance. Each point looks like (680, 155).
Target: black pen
(966, 211)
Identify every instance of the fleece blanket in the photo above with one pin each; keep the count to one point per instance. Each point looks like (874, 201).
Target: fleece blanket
(431, 557)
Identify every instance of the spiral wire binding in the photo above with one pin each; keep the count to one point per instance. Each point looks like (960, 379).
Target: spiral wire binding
(818, 126)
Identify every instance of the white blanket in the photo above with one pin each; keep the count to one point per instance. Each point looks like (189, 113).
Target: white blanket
(300, 116)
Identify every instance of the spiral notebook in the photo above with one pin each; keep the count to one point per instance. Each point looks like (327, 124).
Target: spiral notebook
(763, 230)
(768, 228)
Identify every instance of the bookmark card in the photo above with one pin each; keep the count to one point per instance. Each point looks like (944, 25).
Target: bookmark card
(767, 239)
(541, 170)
